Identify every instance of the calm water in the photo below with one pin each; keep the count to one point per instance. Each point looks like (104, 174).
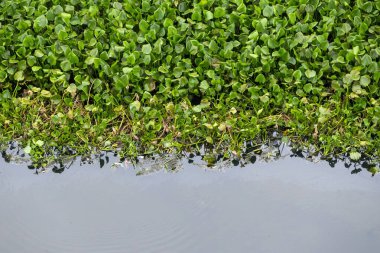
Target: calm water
(289, 205)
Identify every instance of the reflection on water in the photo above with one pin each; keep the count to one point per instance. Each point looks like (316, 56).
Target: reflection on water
(212, 204)
(147, 164)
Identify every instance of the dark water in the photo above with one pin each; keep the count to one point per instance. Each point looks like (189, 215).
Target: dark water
(289, 205)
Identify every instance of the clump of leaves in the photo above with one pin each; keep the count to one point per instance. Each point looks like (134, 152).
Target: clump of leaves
(154, 75)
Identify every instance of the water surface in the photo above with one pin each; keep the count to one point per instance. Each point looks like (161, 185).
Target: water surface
(289, 205)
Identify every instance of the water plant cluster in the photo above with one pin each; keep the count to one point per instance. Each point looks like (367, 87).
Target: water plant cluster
(156, 76)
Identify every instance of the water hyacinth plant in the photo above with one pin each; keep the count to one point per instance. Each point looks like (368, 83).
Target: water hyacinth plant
(162, 75)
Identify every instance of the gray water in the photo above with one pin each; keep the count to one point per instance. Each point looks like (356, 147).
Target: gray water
(289, 205)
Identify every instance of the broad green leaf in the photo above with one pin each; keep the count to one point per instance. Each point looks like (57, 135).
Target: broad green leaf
(144, 26)
(308, 87)
(355, 156)
(159, 14)
(264, 98)
(208, 15)
(268, 11)
(3, 75)
(45, 93)
(366, 60)
(365, 81)
(197, 108)
(357, 89)
(167, 22)
(242, 8)
(363, 28)
(292, 18)
(27, 149)
(65, 65)
(40, 22)
(73, 58)
(19, 75)
(213, 46)
(260, 78)
(38, 53)
(172, 31)
(28, 41)
(219, 12)
(367, 7)
(146, 49)
(145, 5)
(197, 15)
(163, 69)
(310, 73)
(66, 17)
(72, 88)
(39, 143)
(135, 106)
(204, 86)
(297, 74)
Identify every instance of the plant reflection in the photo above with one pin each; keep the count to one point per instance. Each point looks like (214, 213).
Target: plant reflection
(205, 157)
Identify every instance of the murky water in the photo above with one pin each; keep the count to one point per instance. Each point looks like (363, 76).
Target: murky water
(289, 205)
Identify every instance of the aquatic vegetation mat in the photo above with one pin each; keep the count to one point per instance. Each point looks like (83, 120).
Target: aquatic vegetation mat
(143, 77)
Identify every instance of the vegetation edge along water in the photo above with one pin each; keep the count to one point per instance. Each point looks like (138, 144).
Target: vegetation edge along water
(154, 76)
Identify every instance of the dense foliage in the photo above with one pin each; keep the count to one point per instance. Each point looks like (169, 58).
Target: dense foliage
(150, 75)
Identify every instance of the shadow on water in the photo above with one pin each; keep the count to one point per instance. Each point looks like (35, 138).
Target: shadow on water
(205, 157)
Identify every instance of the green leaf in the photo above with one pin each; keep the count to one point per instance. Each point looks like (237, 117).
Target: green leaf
(28, 41)
(172, 31)
(66, 17)
(268, 11)
(242, 8)
(264, 98)
(197, 108)
(39, 143)
(197, 15)
(3, 76)
(65, 65)
(144, 26)
(204, 86)
(260, 78)
(163, 69)
(159, 14)
(73, 58)
(357, 89)
(363, 28)
(145, 6)
(219, 12)
(292, 18)
(308, 87)
(135, 106)
(355, 156)
(297, 74)
(28, 149)
(45, 93)
(367, 7)
(365, 81)
(40, 22)
(146, 49)
(167, 22)
(272, 43)
(38, 53)
(213, 46)
(89, 60)
(19, 75)
(366, 60)
(72, 88)
(208, 15)
(310, 73)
